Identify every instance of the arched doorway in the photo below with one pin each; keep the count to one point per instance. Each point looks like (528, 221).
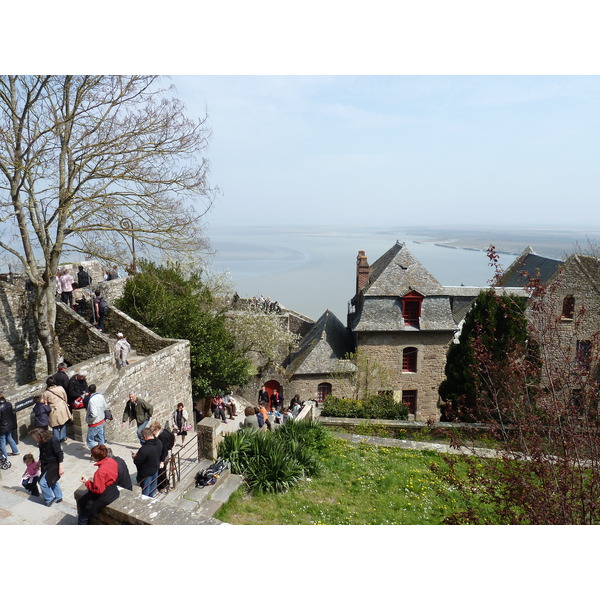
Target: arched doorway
(323, 390)
(272, 386)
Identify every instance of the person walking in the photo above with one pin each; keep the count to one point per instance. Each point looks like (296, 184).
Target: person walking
(100, 309)
(94, 418)
(7, 425)
(147, 462)
(51, 465)
(137, 410)
(179, 422)
(66, 286)
(122, 349)
(56, 398)
(83, 278)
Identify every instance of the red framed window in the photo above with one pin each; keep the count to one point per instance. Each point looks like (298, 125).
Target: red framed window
(409, 397)
(323, 390)
(409, 360)
(568, 309)
(411, 309)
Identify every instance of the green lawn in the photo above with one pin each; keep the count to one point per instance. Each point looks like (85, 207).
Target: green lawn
(360, 485)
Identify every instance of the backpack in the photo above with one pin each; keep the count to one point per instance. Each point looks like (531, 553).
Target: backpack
(102, 305)
(210, 475)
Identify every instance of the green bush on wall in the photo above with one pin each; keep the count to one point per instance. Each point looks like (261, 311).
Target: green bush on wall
(373, 407)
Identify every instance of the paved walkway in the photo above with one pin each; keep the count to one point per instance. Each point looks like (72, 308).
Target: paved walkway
(18, 507)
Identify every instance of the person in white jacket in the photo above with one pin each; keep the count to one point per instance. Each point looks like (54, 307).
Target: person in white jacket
(122, 349)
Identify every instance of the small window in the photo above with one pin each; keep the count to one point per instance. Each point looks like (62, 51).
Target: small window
(409, 397)
(568, 308)
(583, 354)
(411, 309)
(409, 360)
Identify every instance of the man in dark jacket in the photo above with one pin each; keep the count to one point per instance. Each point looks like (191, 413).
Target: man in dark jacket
(124, 479)
(77, 387)
(167, 439)
(61, 376)
(147, 461)
(137, 410)
(7, 424)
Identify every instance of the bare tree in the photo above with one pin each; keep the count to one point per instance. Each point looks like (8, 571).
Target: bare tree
(92, 164)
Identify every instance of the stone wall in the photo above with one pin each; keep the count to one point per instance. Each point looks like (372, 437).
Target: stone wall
(432, 347)
(163, 379)
(79, 340)
(21, 355)
(99, 368)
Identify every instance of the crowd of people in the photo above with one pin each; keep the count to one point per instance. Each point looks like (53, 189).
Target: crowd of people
(51, 412)
(265, 304)
(270, 410)
(79, 294)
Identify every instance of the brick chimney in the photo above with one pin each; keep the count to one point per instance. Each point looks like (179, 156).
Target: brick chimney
(362, 271)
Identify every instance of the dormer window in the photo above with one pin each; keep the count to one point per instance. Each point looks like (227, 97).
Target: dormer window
(568, 308)
(411, 309)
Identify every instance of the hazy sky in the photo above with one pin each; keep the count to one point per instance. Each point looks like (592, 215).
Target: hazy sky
(401, 149)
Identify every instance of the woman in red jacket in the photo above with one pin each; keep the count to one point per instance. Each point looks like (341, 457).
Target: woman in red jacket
(102, 489)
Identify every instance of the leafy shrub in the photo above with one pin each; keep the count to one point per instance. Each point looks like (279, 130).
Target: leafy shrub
(373, 407)
(273, 462)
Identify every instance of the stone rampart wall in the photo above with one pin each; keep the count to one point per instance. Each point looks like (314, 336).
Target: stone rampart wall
(163, 379)
(21, 354)
(79, 340)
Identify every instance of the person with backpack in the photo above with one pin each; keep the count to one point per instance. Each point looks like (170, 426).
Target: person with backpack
(100, 310)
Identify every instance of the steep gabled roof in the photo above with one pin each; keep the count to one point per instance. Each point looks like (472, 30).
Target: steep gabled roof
(322, 348)
(530, 265)
(398, 272)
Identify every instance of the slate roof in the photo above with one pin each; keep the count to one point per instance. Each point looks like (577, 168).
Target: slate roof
(529, 264)
(398, 272)
(322, 348)
(391, 277)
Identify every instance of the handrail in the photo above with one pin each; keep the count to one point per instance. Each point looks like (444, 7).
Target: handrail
(182, 462)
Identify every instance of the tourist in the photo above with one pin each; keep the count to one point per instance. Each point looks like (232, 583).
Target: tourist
(122, 349)
(263, 395)
(259, 417)
(41, 413)
(179, 422)
(31, 476)
(230, 406)
(95, 418)
(112, 273)
(137, 410)
(61, 376)
(83, 278)
(251, 419)
(76, 390)
(101, 489)
(66, 287)
(276, 400)
(51, 465)
(263, 411)
(167, 439)
(100, 310)
(123, 478)
(56, 398)
(7, 424)
(286, 415)
(218, 409)
(147, 462)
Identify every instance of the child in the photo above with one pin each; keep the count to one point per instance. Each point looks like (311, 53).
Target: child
(31, 476)
(41, 412)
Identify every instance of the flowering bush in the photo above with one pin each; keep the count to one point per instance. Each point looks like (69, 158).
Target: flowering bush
(373, 407)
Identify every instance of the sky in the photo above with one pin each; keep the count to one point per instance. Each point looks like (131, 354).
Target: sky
(436, 150)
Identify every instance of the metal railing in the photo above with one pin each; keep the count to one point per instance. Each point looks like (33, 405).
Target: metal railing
(181, 463)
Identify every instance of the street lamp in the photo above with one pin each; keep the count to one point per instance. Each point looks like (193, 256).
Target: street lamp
(127, 224)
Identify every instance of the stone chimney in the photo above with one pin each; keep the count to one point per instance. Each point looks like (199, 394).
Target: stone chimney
(362, 271)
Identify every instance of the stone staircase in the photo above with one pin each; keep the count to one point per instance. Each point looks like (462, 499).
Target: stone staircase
(203, 501)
